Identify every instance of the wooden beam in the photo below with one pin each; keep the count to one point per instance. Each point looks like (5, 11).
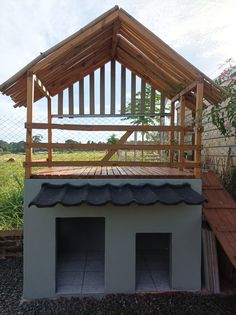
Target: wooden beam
(71, 101)
(163, 105)
(117, 146)
(91, 93)
(49, 130)
(115, 38)
(184, 91)
(103, 163)
(140, 59)
(93, 28)
(172, 133)
(41, 87)
(143, 96)
(152, 100)
(113, 86)
(81, 96)
(120, 141)
(29, 117)
(60, 104)
(102, 90)
(108, 127)
(164, 67)
(157, 43)
(82, 69)
(181, 139)
(123, 90)
(133, 93)
(142, 71)
(198, 124)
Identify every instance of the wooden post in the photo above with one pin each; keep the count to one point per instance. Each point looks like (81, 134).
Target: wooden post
(71, 101)
(123, 90)
(91, 93)
(60, 104)
(49, 129)
(102, 90)
(113, 86)
(198, 129)
(81, 97)
(152, 106)
(133, 93)
(172, 133)
(29, 119)
(181, 139)
(162, 121)
(143, 94)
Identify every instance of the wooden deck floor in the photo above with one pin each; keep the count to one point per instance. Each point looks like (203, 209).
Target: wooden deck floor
(111, 172)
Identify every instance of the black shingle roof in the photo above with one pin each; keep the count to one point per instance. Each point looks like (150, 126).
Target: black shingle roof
(71, 195)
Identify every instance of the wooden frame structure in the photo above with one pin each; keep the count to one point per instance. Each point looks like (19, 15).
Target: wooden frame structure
(114, 36)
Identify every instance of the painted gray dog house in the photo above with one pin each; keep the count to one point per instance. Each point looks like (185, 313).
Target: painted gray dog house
(122, 224)
(125, 214)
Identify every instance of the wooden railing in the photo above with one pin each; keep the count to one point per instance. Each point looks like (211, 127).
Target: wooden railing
(191, 97)
(113, 148)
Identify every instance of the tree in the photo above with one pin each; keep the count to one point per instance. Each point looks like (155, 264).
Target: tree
(71, 141)
(144, 119)
(147, 119)
(112, 139)
(37, 138)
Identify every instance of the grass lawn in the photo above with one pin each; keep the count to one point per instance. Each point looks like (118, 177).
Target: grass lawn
(12, 179)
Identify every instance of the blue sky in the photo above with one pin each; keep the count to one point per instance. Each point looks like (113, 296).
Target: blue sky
(201, 30)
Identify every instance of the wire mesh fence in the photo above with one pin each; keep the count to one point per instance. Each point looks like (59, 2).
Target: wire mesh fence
(12, 139)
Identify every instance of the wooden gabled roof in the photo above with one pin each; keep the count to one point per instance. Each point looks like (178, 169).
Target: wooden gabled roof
(113, 35)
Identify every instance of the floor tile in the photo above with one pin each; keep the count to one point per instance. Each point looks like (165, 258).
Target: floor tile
(75, 265)
(94, 265)
(96, 255)
(69, 289)
(145, 287)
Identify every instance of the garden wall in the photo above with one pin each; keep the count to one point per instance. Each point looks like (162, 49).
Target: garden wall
(11, 243)
(219, 153)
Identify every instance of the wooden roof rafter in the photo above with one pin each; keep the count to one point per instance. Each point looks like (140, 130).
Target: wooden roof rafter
(122, 37)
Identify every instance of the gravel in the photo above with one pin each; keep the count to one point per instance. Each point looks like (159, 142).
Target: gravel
(174, 303)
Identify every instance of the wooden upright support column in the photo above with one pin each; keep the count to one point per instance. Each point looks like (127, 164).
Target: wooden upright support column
(198, 125)
(29, 119)
(181, 139)
(172, 133)
(49, 129)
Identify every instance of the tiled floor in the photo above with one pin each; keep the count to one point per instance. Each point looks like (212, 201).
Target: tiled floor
(80, 273)
(152, 271)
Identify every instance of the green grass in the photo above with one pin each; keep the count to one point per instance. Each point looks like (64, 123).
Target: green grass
(12, 180)
(11, 191)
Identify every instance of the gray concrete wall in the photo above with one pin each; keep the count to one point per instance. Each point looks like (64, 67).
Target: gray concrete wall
(121, 226)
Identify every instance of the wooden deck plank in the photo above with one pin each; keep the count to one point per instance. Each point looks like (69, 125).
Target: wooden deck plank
(111, 172)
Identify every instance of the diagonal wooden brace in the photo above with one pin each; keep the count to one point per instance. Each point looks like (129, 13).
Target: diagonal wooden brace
(121, 141)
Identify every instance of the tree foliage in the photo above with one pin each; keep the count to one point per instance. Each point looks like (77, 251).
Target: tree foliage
(112, 139)
(225, 119)
(144, 119)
